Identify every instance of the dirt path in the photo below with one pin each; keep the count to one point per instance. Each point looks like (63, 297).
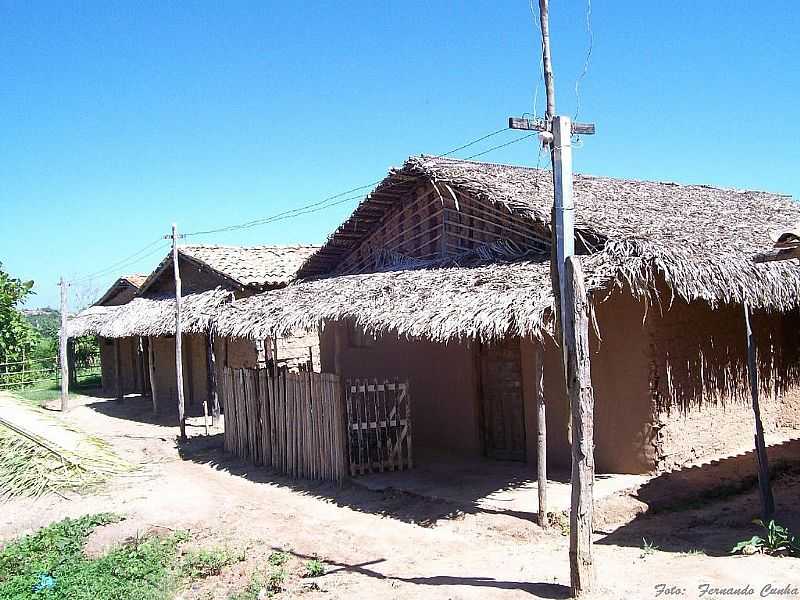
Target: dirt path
(384, 545)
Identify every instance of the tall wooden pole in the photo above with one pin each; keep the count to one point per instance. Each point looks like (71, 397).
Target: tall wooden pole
(178, 334)
(581, 402)
(764, 487)
(62, 347)
(547, 65)
(571, 315)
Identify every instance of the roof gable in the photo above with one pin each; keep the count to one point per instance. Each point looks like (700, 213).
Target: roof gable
(704, 219)
(255, 267)
(122, 290)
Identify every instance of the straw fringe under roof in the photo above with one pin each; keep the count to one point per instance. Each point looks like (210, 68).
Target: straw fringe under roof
(151, 316)
(700, 239)
(90, 320)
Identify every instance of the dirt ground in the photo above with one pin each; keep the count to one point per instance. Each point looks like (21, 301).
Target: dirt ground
(386, 544)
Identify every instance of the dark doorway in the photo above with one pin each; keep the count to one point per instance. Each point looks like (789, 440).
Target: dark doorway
(503, 410)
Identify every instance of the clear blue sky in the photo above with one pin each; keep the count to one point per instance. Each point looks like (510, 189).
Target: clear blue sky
(118, 118)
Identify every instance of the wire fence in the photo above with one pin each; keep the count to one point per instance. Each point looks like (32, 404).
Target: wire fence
(31, 371)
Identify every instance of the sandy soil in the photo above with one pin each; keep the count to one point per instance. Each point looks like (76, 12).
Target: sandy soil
(393, 545)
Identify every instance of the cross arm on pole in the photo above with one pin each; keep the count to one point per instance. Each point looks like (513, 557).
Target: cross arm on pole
(542, 125)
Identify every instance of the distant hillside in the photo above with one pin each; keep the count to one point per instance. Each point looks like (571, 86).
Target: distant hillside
(44, 320)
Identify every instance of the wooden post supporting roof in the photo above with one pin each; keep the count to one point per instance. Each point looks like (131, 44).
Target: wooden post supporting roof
(541, 436)
(211, 368)
(764, 487)
(117, 370)
(581, 401)
(151, 365)
(73, 373)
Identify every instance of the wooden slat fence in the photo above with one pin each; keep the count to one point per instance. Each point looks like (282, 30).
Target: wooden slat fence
(291, 422)
(378, 426)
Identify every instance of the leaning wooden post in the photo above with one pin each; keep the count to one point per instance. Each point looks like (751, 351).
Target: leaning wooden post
(117, 370)
(581, 401)
(178, 333)
(541, 436)
(151, 367)
(211, 368)
(73, 373)
(62, 347)
(764, 487)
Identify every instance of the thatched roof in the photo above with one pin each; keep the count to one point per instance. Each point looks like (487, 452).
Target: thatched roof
(701, 238)
(90, 320)
(698, 239)
(257, 267)
(151, 316)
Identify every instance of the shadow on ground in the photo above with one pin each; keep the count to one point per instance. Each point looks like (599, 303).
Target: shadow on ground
(711, 507)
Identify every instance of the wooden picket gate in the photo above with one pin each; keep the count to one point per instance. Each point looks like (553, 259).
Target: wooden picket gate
(291, 422)
(378, 426)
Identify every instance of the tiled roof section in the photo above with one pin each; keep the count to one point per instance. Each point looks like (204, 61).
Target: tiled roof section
(135, 280)
(252, 266)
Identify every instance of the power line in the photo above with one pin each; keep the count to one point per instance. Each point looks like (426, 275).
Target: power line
(133, 258)
(326, 202)
(590, 33)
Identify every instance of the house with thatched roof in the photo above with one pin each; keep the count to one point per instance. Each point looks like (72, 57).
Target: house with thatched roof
(441, 277)
(211, 276)
(122, 291)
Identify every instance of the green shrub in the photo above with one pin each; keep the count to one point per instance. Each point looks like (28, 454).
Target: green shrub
(778, 540)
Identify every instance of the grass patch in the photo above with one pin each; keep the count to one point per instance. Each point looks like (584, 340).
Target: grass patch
(44, 391)
(198, 564)
(50, 565)
(314, 568)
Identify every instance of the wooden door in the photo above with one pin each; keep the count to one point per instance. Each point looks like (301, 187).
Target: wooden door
(503, 411)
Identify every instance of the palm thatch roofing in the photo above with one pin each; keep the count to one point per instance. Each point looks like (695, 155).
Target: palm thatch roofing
(151, 316)
(259, 267)
(697, 239)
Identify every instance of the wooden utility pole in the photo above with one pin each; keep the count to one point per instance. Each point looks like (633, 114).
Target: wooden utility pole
(62, 348)
(764, 487)
(581, 402)
(571, 317)
(178, 334)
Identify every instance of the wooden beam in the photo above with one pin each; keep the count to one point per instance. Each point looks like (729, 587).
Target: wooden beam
(581, 402)
(117, 370)
(151, 366)
(211, 367)
(777, 254)
(541, 435)
(764, 487)
(73, 373)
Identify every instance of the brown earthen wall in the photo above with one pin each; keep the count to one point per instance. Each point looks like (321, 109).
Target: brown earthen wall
(691, 343)
(128, 358)
(442, 382)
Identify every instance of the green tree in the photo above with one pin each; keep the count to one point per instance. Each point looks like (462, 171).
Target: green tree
(16, 334)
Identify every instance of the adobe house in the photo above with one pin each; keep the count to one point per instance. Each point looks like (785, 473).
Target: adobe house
(115, 354)
(211, 275)
(441, 277)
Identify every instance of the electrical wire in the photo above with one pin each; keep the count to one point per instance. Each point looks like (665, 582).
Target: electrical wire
(326, 202)
(589, 49)
(133, 258)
